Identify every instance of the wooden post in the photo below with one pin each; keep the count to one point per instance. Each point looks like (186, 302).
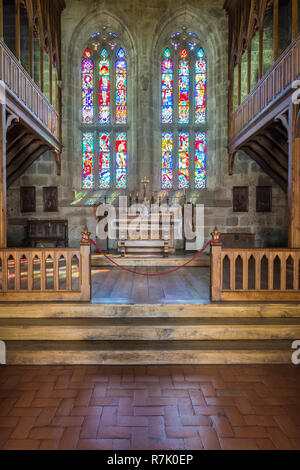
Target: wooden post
(294, 179)
(239, 83)
(42, 66)
(3, 235)
(1, 18)
(261, 51)
(215, 267)
(275, 29)
(85, 266)
(18, 29)
(50, 80)
(295, 18)
(249, 68)
(31, 49)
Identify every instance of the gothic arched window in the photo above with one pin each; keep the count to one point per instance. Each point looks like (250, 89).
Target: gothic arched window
(183, 113)
(104, 113)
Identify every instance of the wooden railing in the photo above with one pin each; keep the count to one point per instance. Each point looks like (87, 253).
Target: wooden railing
(274, 82)
(254, 274)
(19, 82)
(41, 274)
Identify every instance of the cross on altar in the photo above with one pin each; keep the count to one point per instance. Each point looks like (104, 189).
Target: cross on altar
(145, 181)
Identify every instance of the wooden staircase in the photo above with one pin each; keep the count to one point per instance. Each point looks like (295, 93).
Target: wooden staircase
(55, 333)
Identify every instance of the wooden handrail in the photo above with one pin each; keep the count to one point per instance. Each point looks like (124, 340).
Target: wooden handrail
(30, 274)
(19, 82)
(273, 275)
(276, 81)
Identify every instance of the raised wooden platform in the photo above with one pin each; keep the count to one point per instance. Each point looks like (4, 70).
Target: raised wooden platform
(149, 334)
(150, 260)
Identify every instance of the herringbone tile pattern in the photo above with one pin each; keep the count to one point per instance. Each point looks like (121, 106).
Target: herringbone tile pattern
(156, 408)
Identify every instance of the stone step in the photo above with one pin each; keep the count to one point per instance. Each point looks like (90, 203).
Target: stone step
(146, 353)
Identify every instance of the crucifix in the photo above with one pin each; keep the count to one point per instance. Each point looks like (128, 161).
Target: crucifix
(145, 181)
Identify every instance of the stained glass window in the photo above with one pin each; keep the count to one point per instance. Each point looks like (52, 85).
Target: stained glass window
(184, 160)
(104, 160)
(184, 113)
(87, 74)
(88, 160)
(167, 160)
(121, 88)
(104, 88)
(184, 88)
(167, 88)
(121, 160)
(200, 87)
(104, 105)
(200, 160)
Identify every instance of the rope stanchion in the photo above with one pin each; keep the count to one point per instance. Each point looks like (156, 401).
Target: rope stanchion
(153, 274)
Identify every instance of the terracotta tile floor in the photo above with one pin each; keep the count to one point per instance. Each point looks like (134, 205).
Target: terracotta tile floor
(170, 408)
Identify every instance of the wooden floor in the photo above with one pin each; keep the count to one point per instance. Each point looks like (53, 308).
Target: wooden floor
(155, 408)
(187, 286)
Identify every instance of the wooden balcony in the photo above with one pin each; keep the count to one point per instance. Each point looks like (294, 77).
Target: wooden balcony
(268, 99)
(26, 101)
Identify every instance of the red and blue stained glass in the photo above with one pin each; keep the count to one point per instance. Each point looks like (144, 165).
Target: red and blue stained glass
(104, 88)
(184, 88)
(121, 160)
(200, 160)
(200, 87)
(167, 160)
(88, 160)
(167, 88)
(183, 160)
(121, 88)
(104, 160)
(87, 76)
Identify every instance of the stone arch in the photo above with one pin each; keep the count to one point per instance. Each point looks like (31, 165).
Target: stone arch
(72, 56)
(213, 40)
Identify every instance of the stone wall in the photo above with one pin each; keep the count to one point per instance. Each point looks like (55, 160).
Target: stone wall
(144, 28)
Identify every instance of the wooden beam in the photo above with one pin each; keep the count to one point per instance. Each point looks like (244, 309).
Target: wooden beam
(294, 180)
(3, 216)
(20, 157)
(12, 141)
(269, 159)
(42, 66)
(261, 51)
(239, 83)
(19, 147)
(275, 28)
(265, 167)
(26, 164)
(249, 68)
(295, 18)
(18, 29)
(31, 50)
(1, 18)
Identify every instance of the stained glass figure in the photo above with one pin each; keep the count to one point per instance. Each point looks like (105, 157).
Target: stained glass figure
(87, 75)
(167, 160)
(121, 87)
(200, 160)
(200, 87)
(183, 160)
(184, 88)
(104, 160)
(121, 160)
(167, 88)
(104, 88)
(88, 160)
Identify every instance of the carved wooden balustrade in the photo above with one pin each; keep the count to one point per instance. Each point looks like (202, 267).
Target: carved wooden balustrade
(263, 274)
(277, 80)
(58, 274)
(21, 85)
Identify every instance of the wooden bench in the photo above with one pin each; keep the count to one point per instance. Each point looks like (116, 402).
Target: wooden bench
(47, 231)
(144, 246)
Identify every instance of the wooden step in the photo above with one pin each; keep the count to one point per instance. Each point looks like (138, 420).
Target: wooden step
(87, 310)
(149, 261)
(137, 353)
(145, 329)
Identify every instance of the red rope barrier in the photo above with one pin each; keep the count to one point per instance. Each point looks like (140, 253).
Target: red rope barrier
(156, 274)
